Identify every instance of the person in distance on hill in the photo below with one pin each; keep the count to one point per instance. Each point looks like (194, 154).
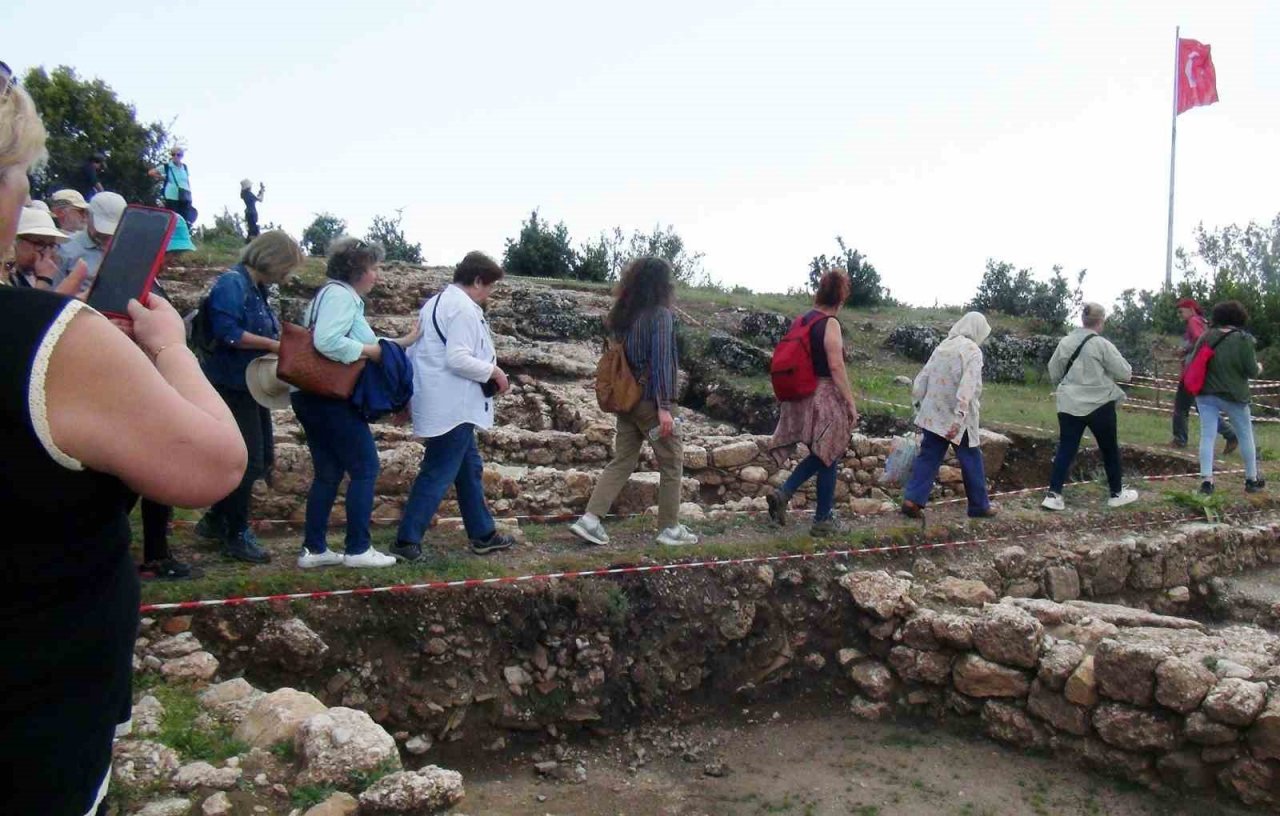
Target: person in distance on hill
(641, 318)
(85, 180)
(1189, 311)
(1226, 390)
(1086, 367)
(251, 202)
(946, 394)
(176, 192)
(824, 420)
(455, 378)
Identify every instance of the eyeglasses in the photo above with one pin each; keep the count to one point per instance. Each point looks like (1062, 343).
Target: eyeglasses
(41, 244)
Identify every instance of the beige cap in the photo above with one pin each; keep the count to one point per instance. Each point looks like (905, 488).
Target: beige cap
(265, 387)
(35, 221)
(71, 198)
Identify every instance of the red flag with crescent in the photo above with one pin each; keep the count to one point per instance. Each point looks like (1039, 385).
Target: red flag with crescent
(1197, 81)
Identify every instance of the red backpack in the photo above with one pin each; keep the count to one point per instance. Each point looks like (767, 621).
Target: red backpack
(791, 368)
(1193, 378)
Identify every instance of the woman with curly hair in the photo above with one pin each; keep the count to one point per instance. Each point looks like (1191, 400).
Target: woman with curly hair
(1226, 391)
(641, 319)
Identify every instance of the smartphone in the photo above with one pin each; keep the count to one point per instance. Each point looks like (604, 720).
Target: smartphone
(133, 260)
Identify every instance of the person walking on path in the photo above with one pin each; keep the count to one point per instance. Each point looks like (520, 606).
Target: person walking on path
(338, 437)
(946, 394)
(251, 202)
(455, 378)
(824, 420)
(244, 327)
(1086, 367)
(1189, 311)
(1226, 391)
(642, 320)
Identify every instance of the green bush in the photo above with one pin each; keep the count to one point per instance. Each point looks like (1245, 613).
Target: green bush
(321, 232)
(541, 250)
(1017, 293)
(387, 231)
(866, 288)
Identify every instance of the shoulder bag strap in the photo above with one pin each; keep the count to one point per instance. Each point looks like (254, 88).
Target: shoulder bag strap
(435, 323)
(1072, 361)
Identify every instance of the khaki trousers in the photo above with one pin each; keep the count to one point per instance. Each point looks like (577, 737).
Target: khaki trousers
(631, 434)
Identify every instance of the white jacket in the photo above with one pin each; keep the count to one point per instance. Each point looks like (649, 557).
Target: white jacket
(447, 376)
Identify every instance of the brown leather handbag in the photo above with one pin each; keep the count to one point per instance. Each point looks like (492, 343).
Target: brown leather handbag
(305, 368)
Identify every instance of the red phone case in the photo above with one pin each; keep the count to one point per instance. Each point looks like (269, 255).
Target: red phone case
(145, 294)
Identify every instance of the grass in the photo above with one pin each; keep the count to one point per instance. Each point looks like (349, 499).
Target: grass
(305, 797)
(181, 729)
(1212, 507)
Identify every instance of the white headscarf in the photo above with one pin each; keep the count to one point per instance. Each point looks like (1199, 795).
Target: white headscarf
(972, 326)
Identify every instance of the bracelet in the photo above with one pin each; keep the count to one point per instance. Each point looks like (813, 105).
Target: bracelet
(156, 355)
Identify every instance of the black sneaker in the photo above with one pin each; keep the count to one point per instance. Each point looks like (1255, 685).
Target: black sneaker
(1206, 488)
(211, 527)
(245, 547)
(1254, 485)
(493, 543)
(168, 569)
(404, 551)
(778, 501)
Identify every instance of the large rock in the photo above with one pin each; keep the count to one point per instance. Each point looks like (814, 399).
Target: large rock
(1082, 685)
(179, 645)
(203, 775)
(1055, 709)
(413, 793)
(291, 645)
(276, 717)
(1011, 724)
(1135, 729)
(339, 804)
(217, 805)
(735, 619)
(174, 806)
(954, 631)
(1235, 702)
(734, 454)
(231, 699)
(1059, 661)
(1264, 737)
(147, 716)
(196, 667)
(1253, 780)
(977, 677)
(337, 742)
(1009, 635)
(1181, 683)
(1126, 670)
(142, 763)
(1204, 731)
(1062, 583)
(872, 679)
(920, 666)
(963, 592)
(879, 593)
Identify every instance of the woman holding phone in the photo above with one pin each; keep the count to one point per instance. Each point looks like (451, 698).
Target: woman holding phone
(244, 327)
(86, 417)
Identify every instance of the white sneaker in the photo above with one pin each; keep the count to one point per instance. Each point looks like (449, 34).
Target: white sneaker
(1127, 496)
(1053, 501)
(677, 536)
(591, 532)
(310, 560)
(368, 558)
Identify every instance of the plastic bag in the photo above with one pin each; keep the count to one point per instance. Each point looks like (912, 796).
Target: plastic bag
(901, 458)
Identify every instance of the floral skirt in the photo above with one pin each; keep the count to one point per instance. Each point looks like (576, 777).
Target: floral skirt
(820, 421)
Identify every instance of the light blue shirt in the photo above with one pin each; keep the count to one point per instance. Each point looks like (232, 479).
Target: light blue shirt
(340, 330)
(175, 177)
(81, 246)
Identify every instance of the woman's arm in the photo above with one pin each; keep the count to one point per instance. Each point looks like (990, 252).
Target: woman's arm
(970, 382)
(227, 317)
(465, 335)
(833, 344)
(160, 428)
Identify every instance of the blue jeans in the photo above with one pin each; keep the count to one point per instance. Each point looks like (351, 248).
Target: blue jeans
(826, 483)
(932, 448)
(449, 459)
(1208, 405)
(340, 442)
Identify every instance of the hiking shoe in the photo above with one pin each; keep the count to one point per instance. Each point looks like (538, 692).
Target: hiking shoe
(1231, 446)
(990, 512)
(1126, 496)
(368, 558)
(407, 552)
(677, 536)
(1053, 501)
(778, 502)
(211, 527)
(1177, 443)
(310, 560)
(1206, 488)
(245, 547)
(1254, 485)
(829, 526)
(912, 510)
(168, 569)
(591, 532)
(495, 542)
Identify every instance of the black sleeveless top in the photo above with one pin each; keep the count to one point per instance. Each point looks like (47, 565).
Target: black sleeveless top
(817, 344)
(68, 589)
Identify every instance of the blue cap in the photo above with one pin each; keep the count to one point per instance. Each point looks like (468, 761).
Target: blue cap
(180, 240)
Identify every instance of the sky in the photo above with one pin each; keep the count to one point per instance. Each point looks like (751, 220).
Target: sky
(930, 135)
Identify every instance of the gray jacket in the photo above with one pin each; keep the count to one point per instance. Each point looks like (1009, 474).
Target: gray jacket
(1091, 382)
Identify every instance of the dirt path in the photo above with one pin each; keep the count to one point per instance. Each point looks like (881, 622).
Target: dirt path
(799, 760)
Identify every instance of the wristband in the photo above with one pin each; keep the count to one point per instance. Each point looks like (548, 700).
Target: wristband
(156, 354)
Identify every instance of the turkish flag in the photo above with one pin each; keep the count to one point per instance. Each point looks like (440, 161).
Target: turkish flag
(1197, 81)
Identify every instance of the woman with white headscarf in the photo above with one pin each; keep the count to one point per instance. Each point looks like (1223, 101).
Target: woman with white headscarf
(946, 395)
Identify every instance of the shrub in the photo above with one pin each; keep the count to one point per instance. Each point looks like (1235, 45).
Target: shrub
(321, 232)
(540, 250)
(866, 290)
(1017, 293)
(387, 231)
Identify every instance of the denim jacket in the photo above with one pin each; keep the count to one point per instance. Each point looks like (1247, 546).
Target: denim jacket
(236, 306)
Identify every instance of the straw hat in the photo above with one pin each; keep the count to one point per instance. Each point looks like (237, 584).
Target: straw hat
(265, 387)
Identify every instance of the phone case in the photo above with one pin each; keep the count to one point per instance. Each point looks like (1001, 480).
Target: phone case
(154, 272)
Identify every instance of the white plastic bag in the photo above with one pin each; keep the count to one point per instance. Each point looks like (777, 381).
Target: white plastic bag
(902, 456)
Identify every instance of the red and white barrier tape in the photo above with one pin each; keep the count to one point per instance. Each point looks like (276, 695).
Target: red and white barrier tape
(630, 570)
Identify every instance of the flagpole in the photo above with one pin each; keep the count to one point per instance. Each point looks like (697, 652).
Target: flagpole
(1173, 152)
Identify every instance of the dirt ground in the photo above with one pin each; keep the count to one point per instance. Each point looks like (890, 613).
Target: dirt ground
(808, 762)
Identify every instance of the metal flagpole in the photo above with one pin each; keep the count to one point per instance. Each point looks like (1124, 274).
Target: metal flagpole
(1173, 152)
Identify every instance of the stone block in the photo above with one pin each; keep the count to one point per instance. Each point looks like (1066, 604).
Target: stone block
(977, 677)
(1009, 635)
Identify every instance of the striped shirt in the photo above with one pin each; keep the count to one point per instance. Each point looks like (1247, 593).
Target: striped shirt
(651, 353)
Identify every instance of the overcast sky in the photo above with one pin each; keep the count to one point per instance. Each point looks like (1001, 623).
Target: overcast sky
(931, 135)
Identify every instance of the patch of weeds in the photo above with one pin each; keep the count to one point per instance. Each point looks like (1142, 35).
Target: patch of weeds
(547, 705)
(181, 730)
(308, 796)
(1211, 506)
(361, 780)
(867, 810)
(285, 751)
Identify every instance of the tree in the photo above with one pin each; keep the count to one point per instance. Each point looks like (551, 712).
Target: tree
(540, 251)
(866, 289)
(321, 232)
(667, 244)
(595, 261)
(84, 117)
(387, 231)
(228, 228)
(1017, 293)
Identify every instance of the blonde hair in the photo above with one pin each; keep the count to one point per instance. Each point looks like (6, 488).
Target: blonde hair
(1092, 315)
(22, 134)
(273, 255)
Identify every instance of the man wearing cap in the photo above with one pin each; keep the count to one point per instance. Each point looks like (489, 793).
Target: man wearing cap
(90, 244)
(70, 210)
(1189, 311)
(35, 261)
